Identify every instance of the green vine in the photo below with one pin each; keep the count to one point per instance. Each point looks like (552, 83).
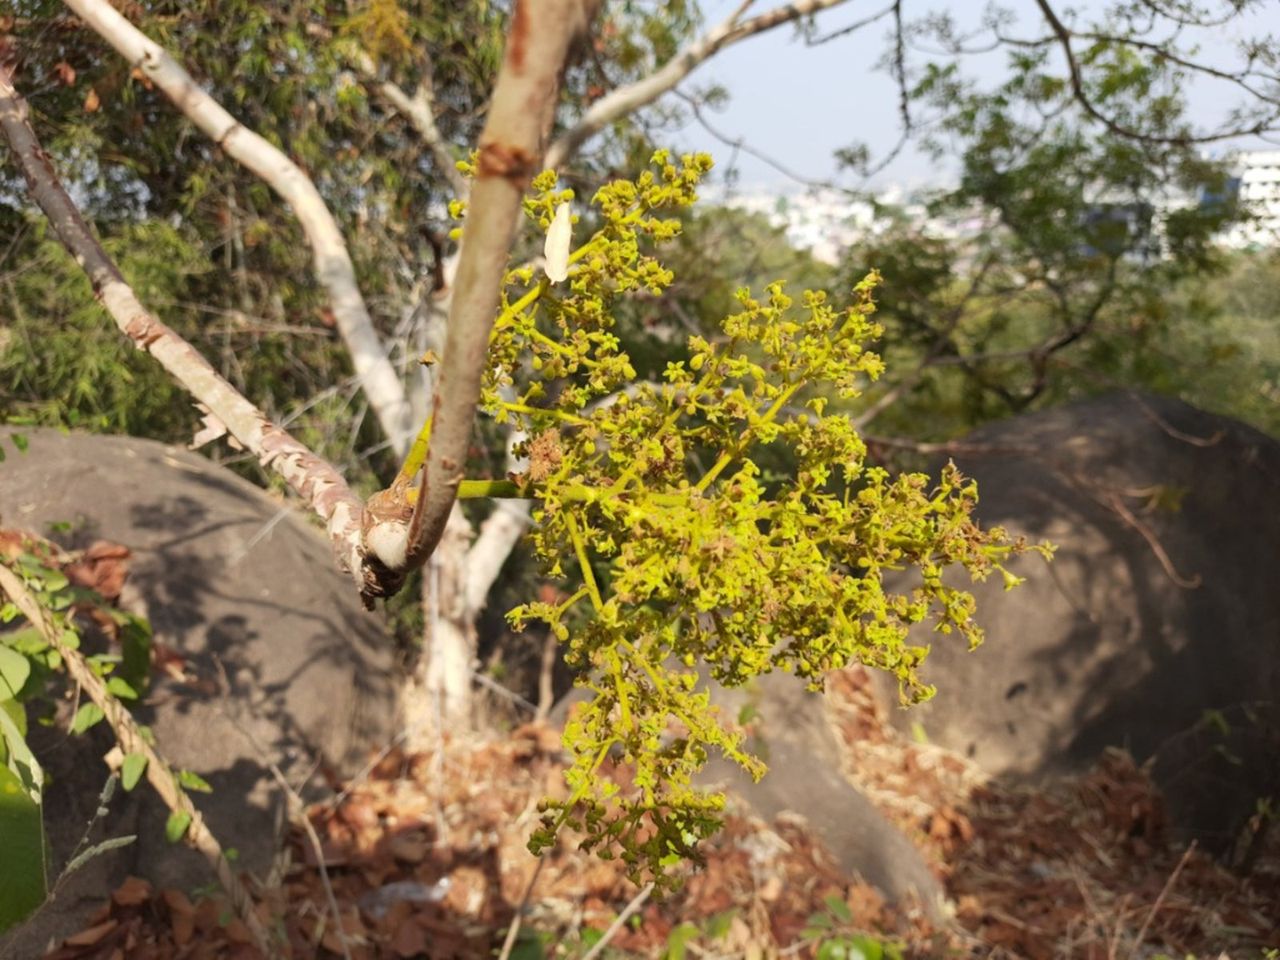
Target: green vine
(691, 559)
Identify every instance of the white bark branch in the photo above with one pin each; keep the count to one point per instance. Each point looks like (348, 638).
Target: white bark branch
(499, 534)
(419, 111)
(317, 482)
(333, 265)
(626, 100)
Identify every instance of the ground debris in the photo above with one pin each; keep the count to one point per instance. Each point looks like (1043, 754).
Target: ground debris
(426, 857)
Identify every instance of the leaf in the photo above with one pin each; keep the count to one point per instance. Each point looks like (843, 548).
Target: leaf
(86, 717)
(194, 782)
(20, 441)
(14, 670)
(17, 713)
(23, 880)
(92, 102)
(97, 850)
(20, 760)
(175, 828)
(131, 770)
(677, 939)
(54, 580)
(120, 687)
(559, 239)
(839, 908)
(719, 926)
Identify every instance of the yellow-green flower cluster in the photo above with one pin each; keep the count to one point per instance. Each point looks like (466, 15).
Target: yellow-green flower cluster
(692, 565)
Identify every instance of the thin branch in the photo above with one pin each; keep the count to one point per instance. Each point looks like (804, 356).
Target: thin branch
(850, 28)
(127, 733)
(625, 100)
(1064, 37)
(419, 111)
(1164, 892)
(317, 482)
(636, 903)
(333, 265)
(513, 931)
(510, 152)
(739, 143)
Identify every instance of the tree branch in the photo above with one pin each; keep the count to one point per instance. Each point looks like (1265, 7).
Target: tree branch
(510, 152)
(419, 111)
(333, 265)
(318, 483)
(127, 733)
(633, 96)
(1064, 37)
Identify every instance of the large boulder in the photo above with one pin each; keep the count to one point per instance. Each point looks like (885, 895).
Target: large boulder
(282, 665)
(1162, 603)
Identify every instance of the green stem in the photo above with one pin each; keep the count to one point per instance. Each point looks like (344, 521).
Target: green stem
(549, 411)
(580, 549)
(729, 456)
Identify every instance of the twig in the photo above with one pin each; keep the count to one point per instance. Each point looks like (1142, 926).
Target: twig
(159, 774)
(1164, 892)
(627, 99)
(513, 931)
(546, 674)
(419, 111)
(636, 903)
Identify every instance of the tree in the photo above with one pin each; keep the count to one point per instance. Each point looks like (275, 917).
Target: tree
(330, 79)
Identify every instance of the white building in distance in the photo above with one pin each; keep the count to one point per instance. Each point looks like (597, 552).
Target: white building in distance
(1258, 190)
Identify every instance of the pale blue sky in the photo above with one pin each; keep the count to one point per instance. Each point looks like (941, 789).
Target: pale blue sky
(798, 103)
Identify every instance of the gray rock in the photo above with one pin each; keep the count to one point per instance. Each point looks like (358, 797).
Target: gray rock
(248, 592)
(1163, 601)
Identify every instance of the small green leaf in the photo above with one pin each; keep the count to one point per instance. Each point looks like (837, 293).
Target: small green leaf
(54, 580)
(17, 713)
(111, 843)
(194, 782)
(14, 670)
(131, 770)
(86, 717)
(838, 908)
(718, 926)
(20, 441)
(28, 640)
(175, 828)
(22, 881)
(677, 939)
(120, 687)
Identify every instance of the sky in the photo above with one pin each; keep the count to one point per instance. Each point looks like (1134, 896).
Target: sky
(798, 104)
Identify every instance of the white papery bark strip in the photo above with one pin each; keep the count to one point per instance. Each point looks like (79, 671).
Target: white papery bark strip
(322, 487)
(333, 266)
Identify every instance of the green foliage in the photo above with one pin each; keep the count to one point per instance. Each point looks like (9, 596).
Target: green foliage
(22, 881)
(690, 557)
(28, 664)
(1066, 278)
(835, 937)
